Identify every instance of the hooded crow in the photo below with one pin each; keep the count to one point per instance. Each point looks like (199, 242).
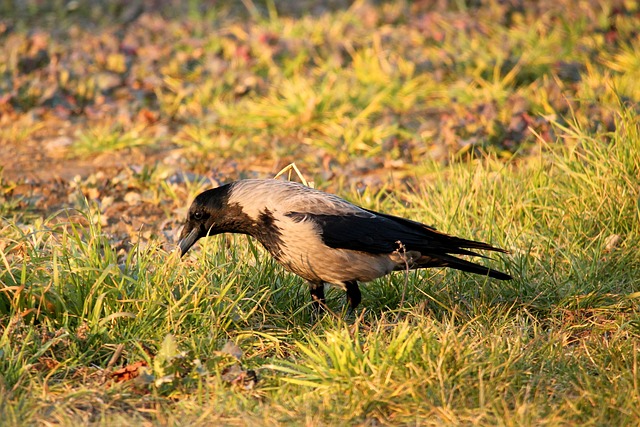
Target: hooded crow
(323, 238)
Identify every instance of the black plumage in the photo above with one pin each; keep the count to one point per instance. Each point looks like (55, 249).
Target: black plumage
(325, 239)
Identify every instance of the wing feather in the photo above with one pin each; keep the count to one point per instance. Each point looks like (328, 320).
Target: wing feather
(380, 233)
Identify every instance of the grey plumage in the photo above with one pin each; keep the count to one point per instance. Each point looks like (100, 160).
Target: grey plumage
(323, 238)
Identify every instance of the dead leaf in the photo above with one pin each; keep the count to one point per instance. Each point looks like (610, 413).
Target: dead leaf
(46, 364)
(238, 377)
(612, 242)
(132, 198)
(232, 349)
(147, 116)
(128, 372)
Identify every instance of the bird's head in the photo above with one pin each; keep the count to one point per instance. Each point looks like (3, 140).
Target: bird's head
(206, 217)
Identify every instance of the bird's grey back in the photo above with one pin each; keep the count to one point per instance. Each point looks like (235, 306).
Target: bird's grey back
(256, 195)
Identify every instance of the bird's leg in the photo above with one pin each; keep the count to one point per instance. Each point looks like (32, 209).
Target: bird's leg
(317, 295)
(353, 295)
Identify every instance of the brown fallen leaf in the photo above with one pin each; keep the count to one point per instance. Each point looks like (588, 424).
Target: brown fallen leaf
(46, 364)
(612, 242)
(232, 349)
(236, 376)
(147, 116)
(128, 372)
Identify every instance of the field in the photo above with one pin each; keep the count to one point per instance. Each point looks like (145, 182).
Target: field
(512, 122)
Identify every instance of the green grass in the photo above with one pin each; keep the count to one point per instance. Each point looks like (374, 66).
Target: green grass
(515, 127)
(556, 345)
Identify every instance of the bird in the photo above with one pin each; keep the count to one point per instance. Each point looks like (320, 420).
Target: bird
(325, 239)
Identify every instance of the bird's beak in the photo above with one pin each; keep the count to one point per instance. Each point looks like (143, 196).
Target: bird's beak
(187, 239)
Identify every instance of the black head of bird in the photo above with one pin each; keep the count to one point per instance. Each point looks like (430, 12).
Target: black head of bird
(208, 215)
(325, 239)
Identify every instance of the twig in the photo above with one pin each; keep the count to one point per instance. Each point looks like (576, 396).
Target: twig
(402, 252)
(116, 355)
(112, 362)
(293, 166)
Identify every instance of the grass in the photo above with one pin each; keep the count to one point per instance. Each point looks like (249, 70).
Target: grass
(556, 345)
(516, 127)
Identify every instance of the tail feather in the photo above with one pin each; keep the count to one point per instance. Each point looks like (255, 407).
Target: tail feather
(458, 243)
(452, 245)
(463, 265)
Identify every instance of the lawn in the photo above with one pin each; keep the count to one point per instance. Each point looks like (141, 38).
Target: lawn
(511, 122)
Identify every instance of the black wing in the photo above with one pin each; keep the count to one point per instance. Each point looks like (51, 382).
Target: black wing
(377, 233)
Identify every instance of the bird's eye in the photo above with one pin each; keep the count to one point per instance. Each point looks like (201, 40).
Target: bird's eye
(198, 216)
